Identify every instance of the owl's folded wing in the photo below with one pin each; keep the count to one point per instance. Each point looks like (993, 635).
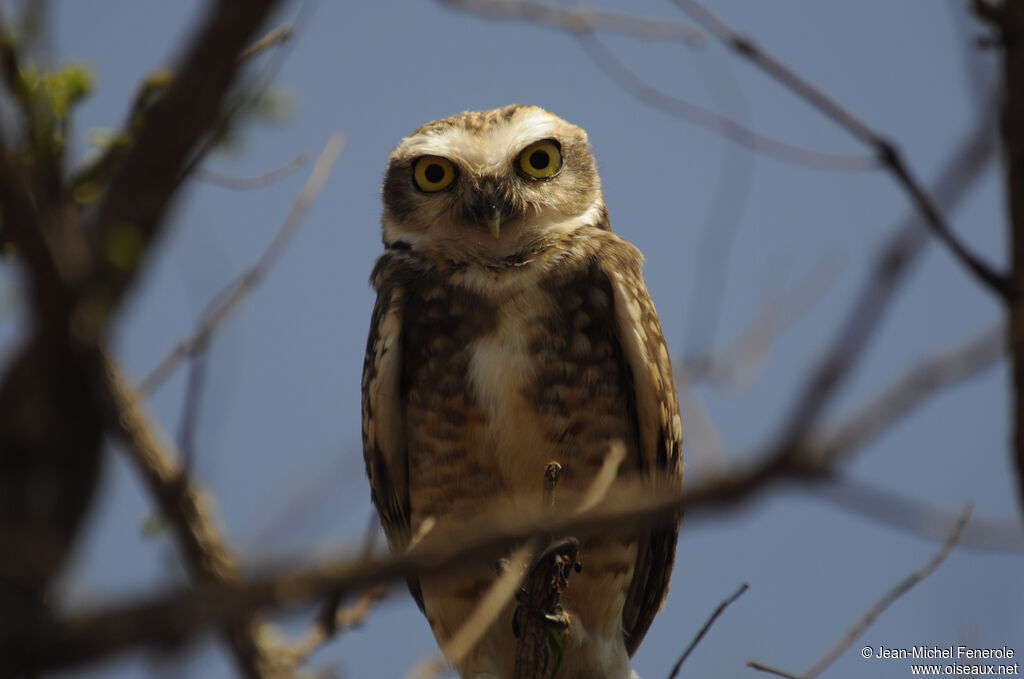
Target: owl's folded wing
(384, 444)
(657, 408)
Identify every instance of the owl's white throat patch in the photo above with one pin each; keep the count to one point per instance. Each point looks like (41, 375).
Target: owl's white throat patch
(500, 367)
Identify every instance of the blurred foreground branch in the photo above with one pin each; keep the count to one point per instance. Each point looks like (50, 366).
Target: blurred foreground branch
(180, 615)
(80, 265)
(206, 555)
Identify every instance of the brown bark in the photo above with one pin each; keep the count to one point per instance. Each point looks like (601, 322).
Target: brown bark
(1009, 19)
(51, 410)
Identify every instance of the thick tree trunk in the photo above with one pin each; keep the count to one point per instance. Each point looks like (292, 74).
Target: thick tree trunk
(1012, 24)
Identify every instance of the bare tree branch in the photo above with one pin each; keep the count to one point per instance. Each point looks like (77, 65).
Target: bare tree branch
(250, 183)
(768, 669)
(226, 302)
(51, 410)
(179, 615)
(191, 405)
(889, 270)
(872, 613)
(275, 36)
(581, 18)
(1002, 534)
(887, 152)
(895, 593)
(21, 228)
(182, 614)
(921, 380)
(190, 515)
(732, 130)
(705, 627)
(1007, 18)
(344, 619)
(142, 187)
(207, 556)
(745, 353)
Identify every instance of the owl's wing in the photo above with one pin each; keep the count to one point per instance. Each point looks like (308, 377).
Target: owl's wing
(384, 444)
(657, 410)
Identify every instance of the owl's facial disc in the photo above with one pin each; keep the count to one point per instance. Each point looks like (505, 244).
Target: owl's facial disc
(489, 184)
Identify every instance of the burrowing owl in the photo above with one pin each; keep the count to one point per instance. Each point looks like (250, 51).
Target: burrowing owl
(513, 328)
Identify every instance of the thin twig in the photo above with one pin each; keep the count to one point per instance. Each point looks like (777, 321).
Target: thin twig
(732, 130)
(342, 620)
(327, 619)
(189, 513)
(892, 595)
(190, 410)
(250, 183)
(761, 667)
(275, 36)
(930, 520)
(226, 302)
(751, 347)
(165, 142)
(907, 391)
(490, 606)
(705, 627)
(581, 18)
(888, 272)
(886, 151)
(256, 87)
(602, 483)
(734, 185)
(427, 667)
(869, 616)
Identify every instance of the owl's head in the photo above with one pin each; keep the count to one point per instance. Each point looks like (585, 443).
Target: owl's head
(489, 184)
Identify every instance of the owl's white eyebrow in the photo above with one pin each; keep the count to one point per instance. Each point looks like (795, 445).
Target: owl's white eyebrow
(489, 151)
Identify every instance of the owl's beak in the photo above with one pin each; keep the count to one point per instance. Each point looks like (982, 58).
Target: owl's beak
(494, 223)
(487, 206)
(493, 216)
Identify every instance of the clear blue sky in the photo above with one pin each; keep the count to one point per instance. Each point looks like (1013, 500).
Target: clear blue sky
(278, 435)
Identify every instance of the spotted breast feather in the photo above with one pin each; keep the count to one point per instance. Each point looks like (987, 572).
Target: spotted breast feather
(476, 377)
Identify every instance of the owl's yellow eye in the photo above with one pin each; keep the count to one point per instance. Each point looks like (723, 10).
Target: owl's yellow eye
(541, 159)
(433, 173)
